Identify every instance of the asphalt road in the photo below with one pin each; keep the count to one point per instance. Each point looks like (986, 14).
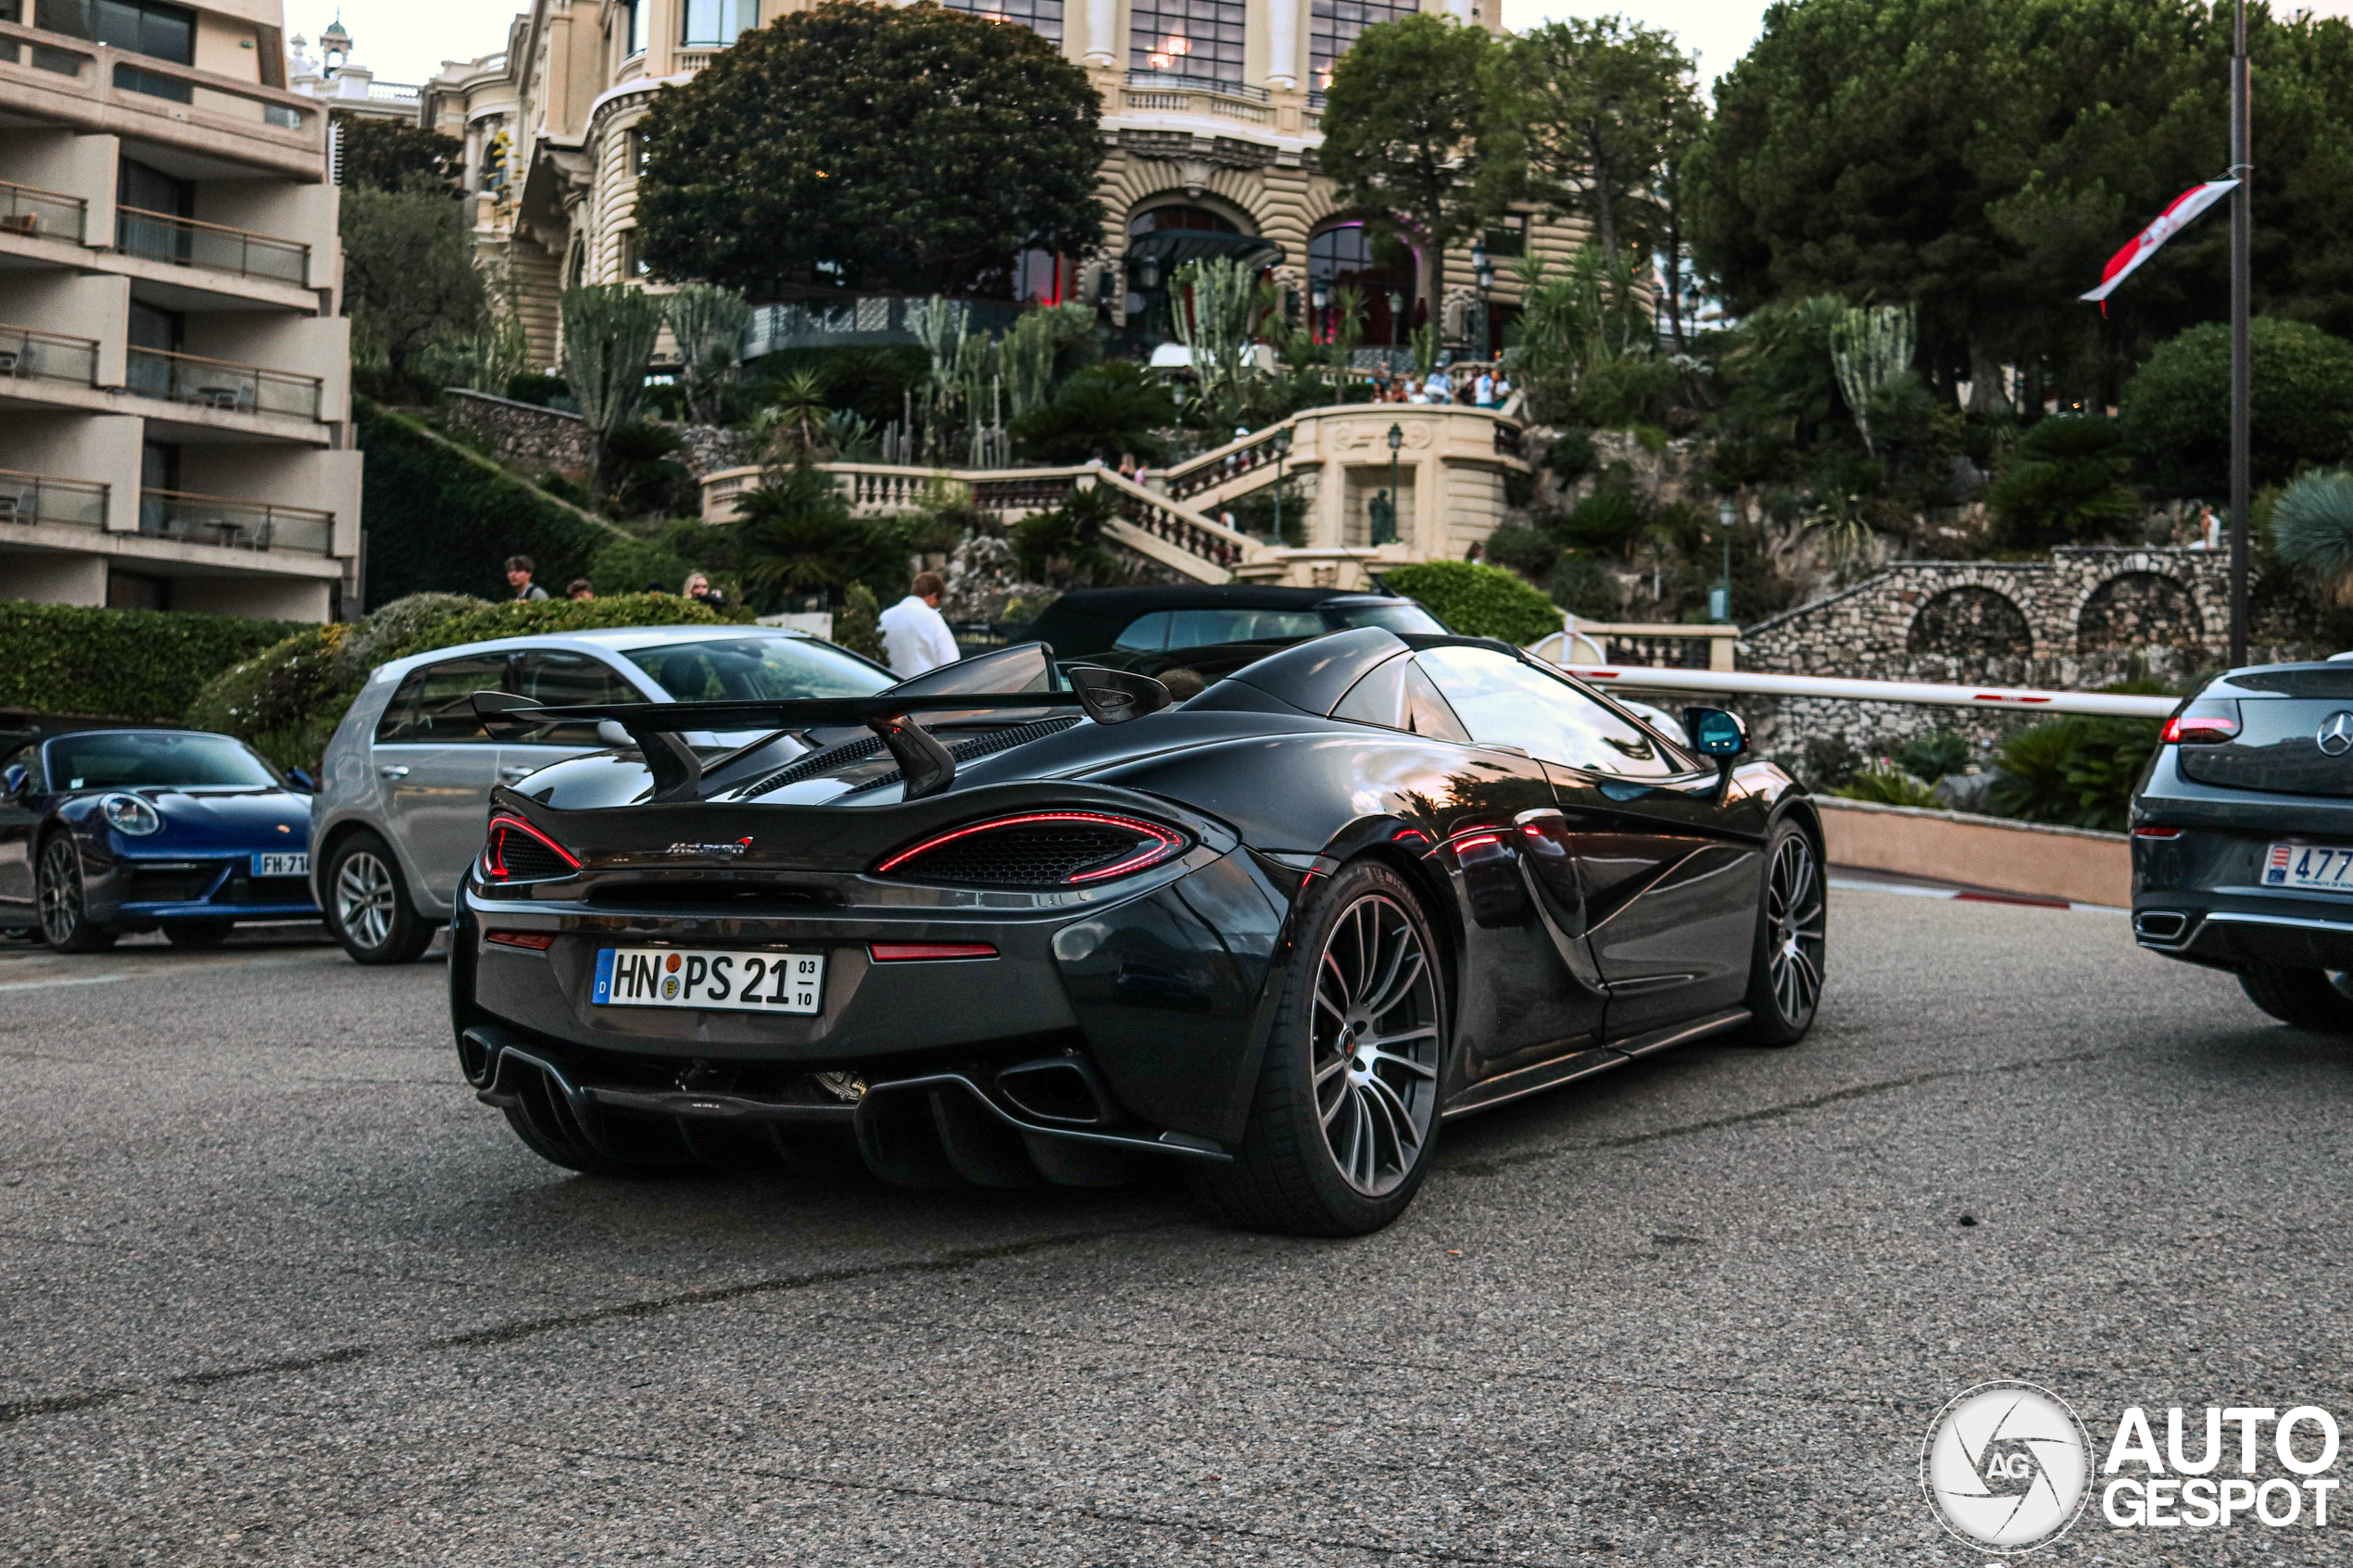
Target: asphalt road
(275, 1289)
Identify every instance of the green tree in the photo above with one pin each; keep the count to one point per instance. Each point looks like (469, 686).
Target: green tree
(409, 282)
(911, 146)
(375, 153)
(1597, 110)
(2176, 409)
(1982, 158)
(1404, 123)
(609, 331)
(708, 324)
(1102, 411)
(2065, 485)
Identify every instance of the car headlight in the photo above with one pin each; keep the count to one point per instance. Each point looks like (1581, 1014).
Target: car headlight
(132, 815)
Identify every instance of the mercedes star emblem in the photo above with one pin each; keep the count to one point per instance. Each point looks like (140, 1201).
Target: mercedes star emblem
(2336, 734)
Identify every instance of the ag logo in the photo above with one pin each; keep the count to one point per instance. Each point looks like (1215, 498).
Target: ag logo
(2006, 1467)
(2336, 734)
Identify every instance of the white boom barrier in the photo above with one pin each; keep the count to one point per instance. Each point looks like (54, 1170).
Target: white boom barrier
(1738, 682)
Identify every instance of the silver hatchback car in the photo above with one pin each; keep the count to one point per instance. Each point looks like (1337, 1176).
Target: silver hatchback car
(405, 790)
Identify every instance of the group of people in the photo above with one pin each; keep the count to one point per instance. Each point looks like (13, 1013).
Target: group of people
(1480, 386)
(521, 569)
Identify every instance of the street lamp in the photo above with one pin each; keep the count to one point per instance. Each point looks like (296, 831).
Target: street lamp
(1396, 315)
(1319, 298)
(1282, 450)
(1384, 519)
(1483, 279)
(1719, 597)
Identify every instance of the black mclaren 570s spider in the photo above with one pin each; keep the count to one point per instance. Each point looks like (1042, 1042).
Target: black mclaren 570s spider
(1007, 922)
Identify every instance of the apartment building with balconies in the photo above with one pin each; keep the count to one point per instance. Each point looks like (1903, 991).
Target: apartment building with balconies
(175, 394)
(1213, 109)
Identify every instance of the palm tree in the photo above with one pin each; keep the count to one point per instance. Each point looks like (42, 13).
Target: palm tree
(797, 536)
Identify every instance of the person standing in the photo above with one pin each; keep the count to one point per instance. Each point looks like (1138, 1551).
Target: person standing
(519, 571)
(915, 636)
(1485, 389)
(699, 589)
(580, 591)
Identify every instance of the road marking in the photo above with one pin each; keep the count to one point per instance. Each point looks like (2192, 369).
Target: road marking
(1966, 894)
(69, 980)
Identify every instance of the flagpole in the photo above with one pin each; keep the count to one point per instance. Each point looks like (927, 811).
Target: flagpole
(2242, 225)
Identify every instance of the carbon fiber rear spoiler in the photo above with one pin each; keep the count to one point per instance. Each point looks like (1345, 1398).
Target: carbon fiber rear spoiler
(1109, 696)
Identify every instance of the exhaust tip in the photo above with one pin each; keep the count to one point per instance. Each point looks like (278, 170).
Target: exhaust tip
(2160, 925)
(1061, 1089)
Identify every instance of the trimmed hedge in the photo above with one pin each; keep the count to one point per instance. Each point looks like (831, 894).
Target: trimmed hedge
(288, 699)
(1478, 601)
(139, 664)
(443, 518)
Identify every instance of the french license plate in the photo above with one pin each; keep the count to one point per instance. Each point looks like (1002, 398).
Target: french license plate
(2309, 865)
(282, 863)
(675, 977)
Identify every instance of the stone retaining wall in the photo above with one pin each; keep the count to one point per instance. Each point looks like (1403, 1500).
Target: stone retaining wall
(522, 435)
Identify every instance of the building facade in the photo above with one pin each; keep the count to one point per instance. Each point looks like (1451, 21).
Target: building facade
(1212, 108)
(175, 396)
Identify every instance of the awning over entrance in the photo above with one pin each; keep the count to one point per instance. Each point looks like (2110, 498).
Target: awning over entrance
(1173, 247)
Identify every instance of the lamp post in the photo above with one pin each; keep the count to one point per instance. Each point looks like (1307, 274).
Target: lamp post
(1396, 315)
(1385, 519)
(1319, 299)
(1483, 279)
(1719, 597)
(1282, 450)
(2242, 395)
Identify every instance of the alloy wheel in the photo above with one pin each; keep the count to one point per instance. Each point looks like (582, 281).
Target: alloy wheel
(1795, 920)
(1376, 1044)
(364, 895)
(60, 891)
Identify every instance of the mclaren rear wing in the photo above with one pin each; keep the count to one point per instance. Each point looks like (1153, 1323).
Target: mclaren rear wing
(1108, 696)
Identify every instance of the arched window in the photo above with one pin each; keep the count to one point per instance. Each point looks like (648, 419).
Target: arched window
(1971, 624)
(1349, 255)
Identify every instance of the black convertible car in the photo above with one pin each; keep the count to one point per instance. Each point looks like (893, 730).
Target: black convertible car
(1278, 932)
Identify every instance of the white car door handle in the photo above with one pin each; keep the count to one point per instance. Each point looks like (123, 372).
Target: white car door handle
(393, 770)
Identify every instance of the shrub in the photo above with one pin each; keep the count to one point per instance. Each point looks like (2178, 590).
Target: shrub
(1066, 541)
(1478, 601)
(1629, 390)
(1886, 784)
(137, 664)
(1528, 551)
(1607, 519)
(288, 699)
(1571, 454)
(1102, 411)
(1830, 761)
(1934, 755)
(2176, 409)
(2064, 483)
(2312, 530)
(856, 624)
(1582, 587)
(440, 517)
(2077, 771)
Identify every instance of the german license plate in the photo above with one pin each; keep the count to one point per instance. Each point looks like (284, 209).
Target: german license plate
(2309, 865)
(282, 863)
(676, 977)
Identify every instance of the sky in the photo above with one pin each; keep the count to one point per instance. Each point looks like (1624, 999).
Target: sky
(407, 39)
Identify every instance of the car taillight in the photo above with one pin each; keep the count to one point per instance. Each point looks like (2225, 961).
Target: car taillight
(2157, 833)
(927, 952)
(1038, 849)
(519, 852)
(537, 941)
(2201, 728)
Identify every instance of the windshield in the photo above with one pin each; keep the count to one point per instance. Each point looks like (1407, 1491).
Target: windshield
(1393, 617)
(130, 759)
(756, 670)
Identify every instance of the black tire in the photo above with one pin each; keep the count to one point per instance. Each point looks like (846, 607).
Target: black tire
(1785, 966)
(2310, 998)
(197, 934)
(65, 925)
(1326, 1152)
(367, 903)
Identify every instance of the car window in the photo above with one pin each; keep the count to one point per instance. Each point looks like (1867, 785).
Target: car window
(129, 759)
(1397, 696)
(1502, 700)
(1146, 633)
(435, 704)
(558, 678)
(757, 669)
(1394, 617)
(1202, 628)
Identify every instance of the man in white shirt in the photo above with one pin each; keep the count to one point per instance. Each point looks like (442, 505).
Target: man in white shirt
(915, 637)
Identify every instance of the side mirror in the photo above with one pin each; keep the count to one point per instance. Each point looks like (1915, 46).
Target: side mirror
(12, 782)
(303, 781)
(1720, 736)
(612, 735)
(1114, 696)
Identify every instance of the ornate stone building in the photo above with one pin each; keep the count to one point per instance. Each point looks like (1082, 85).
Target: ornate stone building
(1212, 108)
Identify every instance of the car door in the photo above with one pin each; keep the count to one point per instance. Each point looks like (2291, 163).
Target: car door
(437, 763)
(1665, 875)
(18, 818)
(558, 677)
(1530, 1006)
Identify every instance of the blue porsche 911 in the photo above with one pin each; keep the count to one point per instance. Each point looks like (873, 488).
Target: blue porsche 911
(107, 831)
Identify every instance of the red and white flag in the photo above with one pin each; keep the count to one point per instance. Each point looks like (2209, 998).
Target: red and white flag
(2142, 245)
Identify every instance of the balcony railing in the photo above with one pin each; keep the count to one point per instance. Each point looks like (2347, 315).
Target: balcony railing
(1177, 82)
(27, 355)
(216, 383)
(234, 524)
(147, 83)
(29, 212)
(186, 243)
(33, 497)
